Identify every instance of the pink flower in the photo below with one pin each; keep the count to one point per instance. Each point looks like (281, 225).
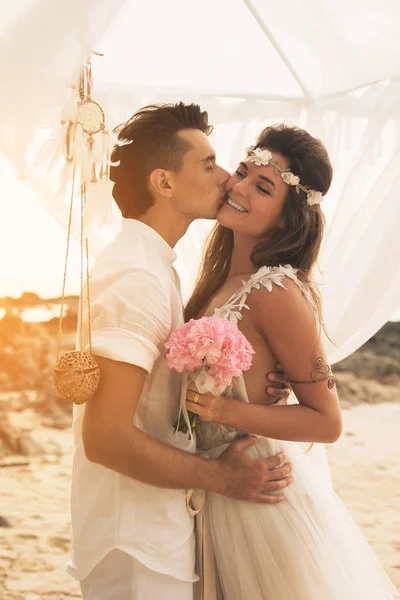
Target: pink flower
(207, 337)
(213, 343)
(179, 355)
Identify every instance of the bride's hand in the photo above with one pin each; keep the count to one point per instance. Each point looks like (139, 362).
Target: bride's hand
(207, 406)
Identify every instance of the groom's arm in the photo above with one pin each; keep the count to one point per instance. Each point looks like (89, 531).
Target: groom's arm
(111, 439)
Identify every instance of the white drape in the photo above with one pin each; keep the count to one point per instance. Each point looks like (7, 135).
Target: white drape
(360, 259)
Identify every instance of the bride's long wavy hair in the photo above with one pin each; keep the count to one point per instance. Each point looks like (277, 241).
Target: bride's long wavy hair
(297, 243)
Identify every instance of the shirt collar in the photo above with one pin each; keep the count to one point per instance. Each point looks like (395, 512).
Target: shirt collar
(133, 227)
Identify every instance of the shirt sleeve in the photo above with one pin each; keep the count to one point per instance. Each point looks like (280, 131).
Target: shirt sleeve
(131, 319)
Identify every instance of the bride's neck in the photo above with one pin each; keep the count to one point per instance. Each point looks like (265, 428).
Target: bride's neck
(240, 259)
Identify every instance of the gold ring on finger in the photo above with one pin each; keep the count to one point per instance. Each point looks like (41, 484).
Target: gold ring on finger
(196, 398)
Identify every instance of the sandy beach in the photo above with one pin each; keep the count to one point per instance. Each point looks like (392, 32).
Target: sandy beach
(365, 466)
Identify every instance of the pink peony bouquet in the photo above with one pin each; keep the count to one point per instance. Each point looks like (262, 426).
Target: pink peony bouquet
(211, 351)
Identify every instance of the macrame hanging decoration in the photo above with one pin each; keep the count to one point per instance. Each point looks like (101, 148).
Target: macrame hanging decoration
(85, 174)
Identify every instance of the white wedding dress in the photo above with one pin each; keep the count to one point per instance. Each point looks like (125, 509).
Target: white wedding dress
(306, 548)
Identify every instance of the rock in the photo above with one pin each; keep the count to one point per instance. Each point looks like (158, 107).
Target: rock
(378, 359)
(4, 522)
(355, 390)
(372, 373)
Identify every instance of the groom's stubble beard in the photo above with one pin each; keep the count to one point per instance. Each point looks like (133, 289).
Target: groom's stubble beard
(212, 213)
(216, 211)
(221, 204)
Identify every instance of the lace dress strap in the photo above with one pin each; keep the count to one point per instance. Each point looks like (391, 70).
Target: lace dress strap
(266, 277)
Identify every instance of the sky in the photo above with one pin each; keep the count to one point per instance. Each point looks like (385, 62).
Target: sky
(32, 243)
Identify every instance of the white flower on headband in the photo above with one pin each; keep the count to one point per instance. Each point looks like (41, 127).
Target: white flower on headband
(289, 178)
(261, 157)
(314, 197)
(264, 157)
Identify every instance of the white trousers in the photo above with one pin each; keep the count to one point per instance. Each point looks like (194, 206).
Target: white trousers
(119, 576)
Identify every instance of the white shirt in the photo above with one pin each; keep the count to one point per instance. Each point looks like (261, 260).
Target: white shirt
(135, 305)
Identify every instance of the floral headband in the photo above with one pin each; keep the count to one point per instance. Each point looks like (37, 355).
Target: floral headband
(264, 157)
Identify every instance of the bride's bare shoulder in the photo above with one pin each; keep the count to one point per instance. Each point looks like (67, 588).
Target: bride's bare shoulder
(282, 306)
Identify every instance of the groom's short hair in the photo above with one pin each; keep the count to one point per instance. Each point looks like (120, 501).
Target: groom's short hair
(149, 141)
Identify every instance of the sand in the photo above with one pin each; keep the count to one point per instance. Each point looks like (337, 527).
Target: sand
(365, 465)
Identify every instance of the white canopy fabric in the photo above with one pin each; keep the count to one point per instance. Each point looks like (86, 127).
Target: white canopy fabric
(332, 67)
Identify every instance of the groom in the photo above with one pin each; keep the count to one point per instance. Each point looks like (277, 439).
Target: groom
(132, 530)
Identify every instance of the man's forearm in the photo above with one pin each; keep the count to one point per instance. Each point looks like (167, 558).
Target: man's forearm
(137, 455)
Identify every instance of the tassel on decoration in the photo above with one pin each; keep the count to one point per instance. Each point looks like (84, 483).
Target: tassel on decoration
(64, 180)
(98, 206)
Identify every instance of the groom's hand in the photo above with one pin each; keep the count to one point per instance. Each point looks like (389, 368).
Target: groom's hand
(253, 479)
(278, 386)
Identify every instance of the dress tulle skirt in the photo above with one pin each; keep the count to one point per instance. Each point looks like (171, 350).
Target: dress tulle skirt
(306, 548)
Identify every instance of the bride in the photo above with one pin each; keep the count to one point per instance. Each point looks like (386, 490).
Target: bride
(257, 272)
